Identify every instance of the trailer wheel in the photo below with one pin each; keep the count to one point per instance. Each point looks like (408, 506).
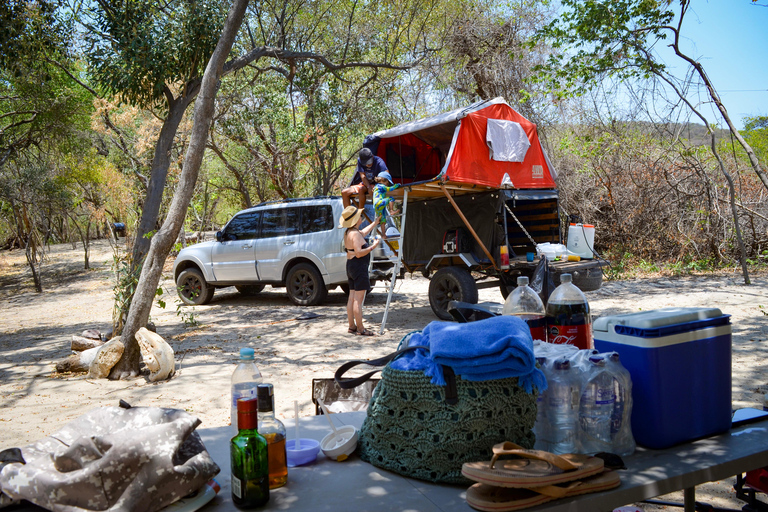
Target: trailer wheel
(451, 283)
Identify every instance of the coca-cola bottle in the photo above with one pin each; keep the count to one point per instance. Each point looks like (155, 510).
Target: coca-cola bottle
(568, 319)
(525, 303)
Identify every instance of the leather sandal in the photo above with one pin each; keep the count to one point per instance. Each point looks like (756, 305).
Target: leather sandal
(504, 499)
(365, 332)
(531, 468)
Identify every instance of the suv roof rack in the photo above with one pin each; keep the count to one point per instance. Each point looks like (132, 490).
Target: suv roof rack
(292, 200)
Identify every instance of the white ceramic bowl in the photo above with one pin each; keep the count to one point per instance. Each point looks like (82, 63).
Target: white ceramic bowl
(340, 451)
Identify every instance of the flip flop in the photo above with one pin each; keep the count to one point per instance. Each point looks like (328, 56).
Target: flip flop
(532, 468)
(365, 332)
(503, 499)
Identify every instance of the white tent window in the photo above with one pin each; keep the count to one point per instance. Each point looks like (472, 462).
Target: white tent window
(507, 141)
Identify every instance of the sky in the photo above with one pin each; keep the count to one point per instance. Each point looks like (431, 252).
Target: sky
(730, 39)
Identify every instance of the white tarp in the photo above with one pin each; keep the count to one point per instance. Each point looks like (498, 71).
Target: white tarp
(507, 141)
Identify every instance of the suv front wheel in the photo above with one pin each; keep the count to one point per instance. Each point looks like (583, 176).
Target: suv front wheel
(193, 289)
(305, 286)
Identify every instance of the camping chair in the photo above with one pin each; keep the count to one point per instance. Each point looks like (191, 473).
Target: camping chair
(464, 312)
(342, 400)
(747, 486)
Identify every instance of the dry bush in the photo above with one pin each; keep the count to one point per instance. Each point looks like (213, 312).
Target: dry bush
(653, 195)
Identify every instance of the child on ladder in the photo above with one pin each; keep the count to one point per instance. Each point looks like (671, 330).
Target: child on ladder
(380, 200)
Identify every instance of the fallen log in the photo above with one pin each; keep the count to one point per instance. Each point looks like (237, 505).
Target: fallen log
(79, 343)
(78, 362)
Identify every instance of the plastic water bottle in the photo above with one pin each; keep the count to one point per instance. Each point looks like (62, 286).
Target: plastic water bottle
(596, 408)
(526, 303)
(245, 380)
(562, 407)
(567, 315)
(541, 427)
(621, 428)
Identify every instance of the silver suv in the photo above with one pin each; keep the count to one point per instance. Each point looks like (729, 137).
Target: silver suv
(293, 243)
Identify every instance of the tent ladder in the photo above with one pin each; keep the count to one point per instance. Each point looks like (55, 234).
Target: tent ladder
(397, 260)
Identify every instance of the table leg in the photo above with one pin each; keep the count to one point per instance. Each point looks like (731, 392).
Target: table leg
(689, 498)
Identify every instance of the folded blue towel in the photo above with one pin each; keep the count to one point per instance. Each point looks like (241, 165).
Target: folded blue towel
(495, 348)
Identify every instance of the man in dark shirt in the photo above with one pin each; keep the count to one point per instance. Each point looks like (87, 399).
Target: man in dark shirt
(368, 167)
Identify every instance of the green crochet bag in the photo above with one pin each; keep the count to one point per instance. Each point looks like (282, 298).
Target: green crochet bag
(421, 430)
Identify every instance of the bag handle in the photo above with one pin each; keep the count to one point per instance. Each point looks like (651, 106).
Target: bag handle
(451, 391)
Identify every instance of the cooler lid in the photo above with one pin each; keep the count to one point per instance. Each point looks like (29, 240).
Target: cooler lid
(661, 322)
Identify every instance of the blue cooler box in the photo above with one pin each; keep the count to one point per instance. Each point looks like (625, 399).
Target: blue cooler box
(680, 363)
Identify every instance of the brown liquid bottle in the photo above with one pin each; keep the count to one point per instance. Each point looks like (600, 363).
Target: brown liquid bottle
(273, 431)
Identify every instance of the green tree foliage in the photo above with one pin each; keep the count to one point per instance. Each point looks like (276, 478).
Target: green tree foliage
(31, 32)
(140, 49)
(756, 133)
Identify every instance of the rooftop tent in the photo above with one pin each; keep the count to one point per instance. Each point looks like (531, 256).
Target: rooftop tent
(487, 144)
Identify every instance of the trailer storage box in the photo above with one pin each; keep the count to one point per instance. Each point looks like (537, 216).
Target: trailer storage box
(680, 363)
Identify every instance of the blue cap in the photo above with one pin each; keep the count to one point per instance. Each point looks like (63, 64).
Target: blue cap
(385, 174)
(246, 354)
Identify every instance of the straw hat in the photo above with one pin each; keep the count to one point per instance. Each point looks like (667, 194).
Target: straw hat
(349, 216)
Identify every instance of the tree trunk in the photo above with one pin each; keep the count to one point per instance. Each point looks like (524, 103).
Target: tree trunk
(162, 242)
(158, 174)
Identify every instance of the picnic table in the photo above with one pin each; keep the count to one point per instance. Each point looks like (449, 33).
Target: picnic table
(354, 485)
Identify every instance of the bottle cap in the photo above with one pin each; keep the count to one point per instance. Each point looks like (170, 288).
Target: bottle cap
(597, 360)
(246, 354)
(265, 394)
(247, 417)
(566, 278)
(522, 281)
(247, 405)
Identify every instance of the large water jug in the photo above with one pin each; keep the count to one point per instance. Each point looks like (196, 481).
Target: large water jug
(581, 240)
(561, 401)
(541, 427)
(596, 408)
(622, 440)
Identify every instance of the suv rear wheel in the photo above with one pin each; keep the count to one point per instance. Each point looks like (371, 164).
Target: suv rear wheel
(193, 289)
(305, 286)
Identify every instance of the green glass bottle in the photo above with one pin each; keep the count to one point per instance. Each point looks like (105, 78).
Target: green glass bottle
(248, 456)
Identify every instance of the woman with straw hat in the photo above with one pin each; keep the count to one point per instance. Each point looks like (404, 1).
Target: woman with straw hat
(358, 258)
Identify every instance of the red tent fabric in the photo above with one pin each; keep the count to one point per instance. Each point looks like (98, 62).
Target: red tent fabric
(455, 145)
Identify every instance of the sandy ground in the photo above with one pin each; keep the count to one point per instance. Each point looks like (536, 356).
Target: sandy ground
(36, 330)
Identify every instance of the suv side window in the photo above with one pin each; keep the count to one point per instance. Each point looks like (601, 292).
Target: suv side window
(280, 222)
(242, 227)
(292, 217)
(316, 218)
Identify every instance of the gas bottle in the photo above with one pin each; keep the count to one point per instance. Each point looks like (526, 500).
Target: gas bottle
(567, 315)
(525, 303)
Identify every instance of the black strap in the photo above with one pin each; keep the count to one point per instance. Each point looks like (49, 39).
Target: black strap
(451, 392)
(10, 456)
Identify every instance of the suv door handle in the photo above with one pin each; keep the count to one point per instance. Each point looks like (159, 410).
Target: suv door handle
(289, 242)
(248, 246)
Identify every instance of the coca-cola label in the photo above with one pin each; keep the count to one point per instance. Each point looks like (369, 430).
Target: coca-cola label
(578, 335)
